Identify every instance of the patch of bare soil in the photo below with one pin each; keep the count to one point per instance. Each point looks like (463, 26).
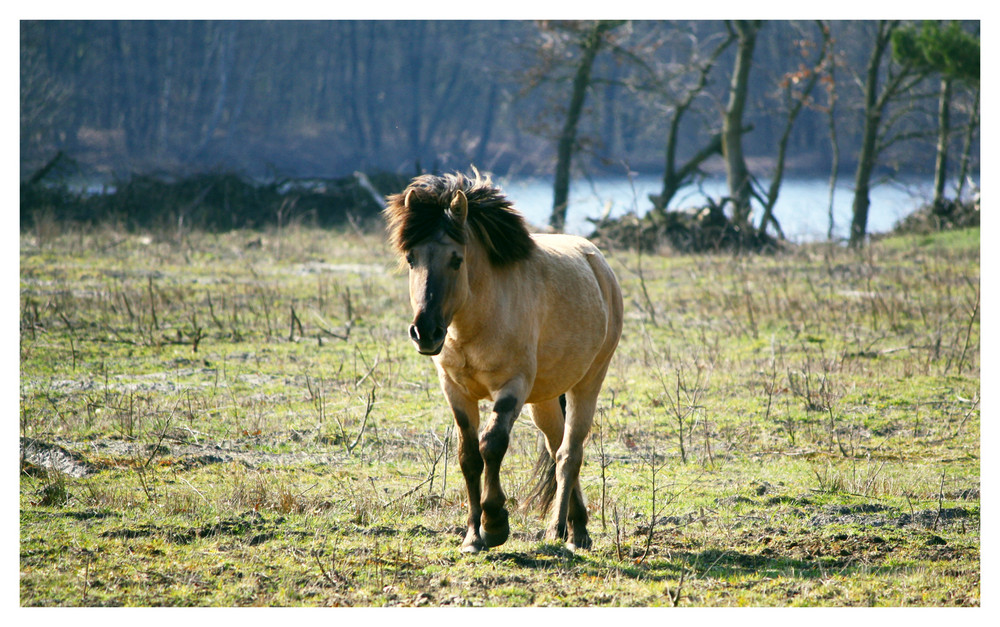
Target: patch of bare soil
(82, 459)
(37, 455)
(876, 515)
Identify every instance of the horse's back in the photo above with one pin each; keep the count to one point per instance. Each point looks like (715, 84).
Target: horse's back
(574, 263)
(582, 312)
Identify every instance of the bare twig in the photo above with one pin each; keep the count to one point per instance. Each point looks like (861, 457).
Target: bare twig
(675, 595)
(650, 308)
(295, 322)
(196, 491)
(369, 405)
(968, 332)
(329, 575)
(940, 503)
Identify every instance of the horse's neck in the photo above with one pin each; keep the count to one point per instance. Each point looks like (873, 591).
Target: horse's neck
(483, 302)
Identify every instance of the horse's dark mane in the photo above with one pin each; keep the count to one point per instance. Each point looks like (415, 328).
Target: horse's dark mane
(492, 220)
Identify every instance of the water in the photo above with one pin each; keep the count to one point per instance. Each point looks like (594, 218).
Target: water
(802, 207)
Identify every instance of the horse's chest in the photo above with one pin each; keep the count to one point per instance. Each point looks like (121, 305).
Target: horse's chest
(473, 384)
(481, 374)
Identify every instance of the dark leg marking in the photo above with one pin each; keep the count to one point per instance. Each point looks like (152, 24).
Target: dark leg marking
(505, 405)
(494, 525)
(471, 462)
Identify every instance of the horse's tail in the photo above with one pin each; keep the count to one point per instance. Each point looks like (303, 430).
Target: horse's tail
(544, 492)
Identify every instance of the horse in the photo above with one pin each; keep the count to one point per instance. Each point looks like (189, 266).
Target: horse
(513, 317)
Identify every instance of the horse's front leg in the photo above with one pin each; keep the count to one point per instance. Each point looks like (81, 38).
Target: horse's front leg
(466, 412)
(494, 527)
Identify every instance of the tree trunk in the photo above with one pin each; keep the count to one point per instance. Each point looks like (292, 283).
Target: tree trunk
(862, 181)
(375, 108)
(834, 149)
(793, 113)
(670, 180)
(862, 178)
(737, 174)
(414, 70)
(488, 122)
(567, 138)
(869, 139)
(674, 178)
(963, 168)
(944, 130)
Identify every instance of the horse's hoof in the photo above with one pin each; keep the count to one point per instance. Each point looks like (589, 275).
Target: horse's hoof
(494, 539)
(472, 542)
(554, 534)
(494, 529)
(583, 542)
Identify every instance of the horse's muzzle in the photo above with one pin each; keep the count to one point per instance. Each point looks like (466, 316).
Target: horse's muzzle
(429, 341)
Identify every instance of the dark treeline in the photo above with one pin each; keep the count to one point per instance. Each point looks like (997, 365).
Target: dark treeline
(328, 98)
(278, 99)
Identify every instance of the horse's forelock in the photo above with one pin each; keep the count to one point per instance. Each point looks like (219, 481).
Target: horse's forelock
(492, 220)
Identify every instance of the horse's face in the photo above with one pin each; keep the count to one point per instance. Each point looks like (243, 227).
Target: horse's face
(439, 283)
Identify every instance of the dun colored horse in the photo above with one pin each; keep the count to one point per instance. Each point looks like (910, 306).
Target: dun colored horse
(511, 317)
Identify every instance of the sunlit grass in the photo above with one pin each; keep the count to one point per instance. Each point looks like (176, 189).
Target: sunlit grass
(251, 428)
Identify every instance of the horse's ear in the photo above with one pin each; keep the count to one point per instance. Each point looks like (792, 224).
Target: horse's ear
(406, 199)
(459, 208)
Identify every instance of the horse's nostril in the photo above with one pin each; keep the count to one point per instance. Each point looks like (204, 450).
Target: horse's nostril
(414, 333)
(439, 334)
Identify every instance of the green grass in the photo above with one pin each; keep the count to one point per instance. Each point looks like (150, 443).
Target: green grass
(961, 240)
(800, 429)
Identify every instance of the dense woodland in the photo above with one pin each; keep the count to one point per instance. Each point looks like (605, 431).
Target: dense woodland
(324, 99)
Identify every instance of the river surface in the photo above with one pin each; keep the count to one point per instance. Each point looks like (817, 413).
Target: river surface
(803, 206)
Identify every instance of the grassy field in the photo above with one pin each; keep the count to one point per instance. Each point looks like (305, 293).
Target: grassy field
(239, 420)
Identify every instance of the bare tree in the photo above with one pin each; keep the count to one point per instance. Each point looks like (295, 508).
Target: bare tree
(831, 118)
(970, 133)
(674, 176)
(878, 95)
(737, 173)
(589, 38)
(797, 87)
(954, 55)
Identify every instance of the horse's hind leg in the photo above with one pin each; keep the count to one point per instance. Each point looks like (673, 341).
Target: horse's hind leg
(550, 418)
(569, 517)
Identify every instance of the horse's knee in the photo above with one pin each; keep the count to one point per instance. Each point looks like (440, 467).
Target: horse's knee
(471, 462)
(505, 405)
(568, 462)
(493, 446)
(469, 457)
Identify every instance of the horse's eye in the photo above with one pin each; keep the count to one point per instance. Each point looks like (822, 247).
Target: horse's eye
(409, 259)
(456, 262)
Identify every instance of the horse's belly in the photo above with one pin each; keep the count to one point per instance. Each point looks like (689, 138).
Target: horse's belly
(555, 376)
(571, 336)
(566, 354)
